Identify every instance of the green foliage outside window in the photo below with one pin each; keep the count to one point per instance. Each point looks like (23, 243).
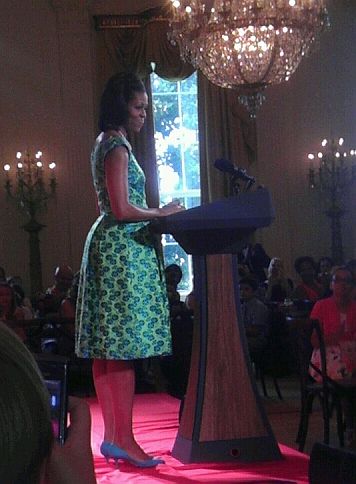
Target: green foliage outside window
(177, 148)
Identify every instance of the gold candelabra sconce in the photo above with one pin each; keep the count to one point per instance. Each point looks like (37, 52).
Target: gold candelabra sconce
(332, 171)
(30, 183)
(27, 187)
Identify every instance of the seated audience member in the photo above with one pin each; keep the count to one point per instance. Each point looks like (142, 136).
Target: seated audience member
(279, 287)
(22, 302)
(16, 282)
(309, 288)
(351, 265)
(63, 277)
(243, 270)
(254, 316)
(8, 309)
(175, 368)
(68, 304)
(28, 453)
(337, 317)
(324, 269)
(256, 259)
(190, 301)
(2, 275)
(66, 334)
(173, 277)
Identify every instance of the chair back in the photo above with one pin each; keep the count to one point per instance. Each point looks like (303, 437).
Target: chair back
(324, 388)
(277, 356)
(322, 371)
(305, 350)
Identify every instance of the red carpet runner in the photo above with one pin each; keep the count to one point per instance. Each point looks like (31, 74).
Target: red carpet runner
(155, 426)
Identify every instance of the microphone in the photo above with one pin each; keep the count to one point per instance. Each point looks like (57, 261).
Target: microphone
(237, 173)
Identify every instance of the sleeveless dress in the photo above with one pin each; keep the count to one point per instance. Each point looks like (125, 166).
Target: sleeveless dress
(122, 307)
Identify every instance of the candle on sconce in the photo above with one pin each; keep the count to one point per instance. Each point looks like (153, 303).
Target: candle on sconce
(311, 174)
(19, 165)
(7, 168)
(353, 165)
(30, 177)
(39, 166)
(53, 181)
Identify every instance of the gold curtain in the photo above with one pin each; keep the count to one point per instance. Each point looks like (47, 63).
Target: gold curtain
(225, 131)
(224, 128)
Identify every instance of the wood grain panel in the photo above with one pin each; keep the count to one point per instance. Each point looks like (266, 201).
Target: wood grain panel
(188, 417)
(230, 409)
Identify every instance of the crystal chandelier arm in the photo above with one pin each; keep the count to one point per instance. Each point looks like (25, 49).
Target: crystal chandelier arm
(246, 44)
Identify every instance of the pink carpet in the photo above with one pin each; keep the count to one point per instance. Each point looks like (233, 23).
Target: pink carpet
(155, 426)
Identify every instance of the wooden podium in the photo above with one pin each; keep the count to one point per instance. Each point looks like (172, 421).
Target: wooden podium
(223, 419)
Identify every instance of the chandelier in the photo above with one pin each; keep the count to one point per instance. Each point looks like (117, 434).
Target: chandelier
(246, 44)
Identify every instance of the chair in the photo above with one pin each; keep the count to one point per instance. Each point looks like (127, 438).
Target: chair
(329, 392)
(261, 365)
(273, 361)
(176, 367)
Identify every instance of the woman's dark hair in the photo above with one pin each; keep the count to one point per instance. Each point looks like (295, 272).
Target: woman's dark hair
(250, 281)
(327, 259)
(119, 90)
(301, 260)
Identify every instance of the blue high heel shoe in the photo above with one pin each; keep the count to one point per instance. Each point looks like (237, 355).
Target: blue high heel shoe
(112, 451)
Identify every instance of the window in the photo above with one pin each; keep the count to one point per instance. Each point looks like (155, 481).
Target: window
(177, 147)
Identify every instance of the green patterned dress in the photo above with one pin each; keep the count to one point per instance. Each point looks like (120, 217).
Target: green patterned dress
(122, 306)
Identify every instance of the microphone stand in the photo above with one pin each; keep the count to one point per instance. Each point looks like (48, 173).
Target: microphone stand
(235, 187)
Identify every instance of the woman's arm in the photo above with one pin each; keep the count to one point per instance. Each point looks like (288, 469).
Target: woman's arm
(116, 176)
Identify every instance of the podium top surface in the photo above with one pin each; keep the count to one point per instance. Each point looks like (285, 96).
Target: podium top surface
(250, 209)
(216, 227)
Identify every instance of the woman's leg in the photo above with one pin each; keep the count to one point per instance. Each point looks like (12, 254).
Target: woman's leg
(121, 377)
(115, 388)
(103, 393)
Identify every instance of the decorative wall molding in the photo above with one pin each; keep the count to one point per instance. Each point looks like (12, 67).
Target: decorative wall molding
(123, 7)
(103, 22)
(70, 5)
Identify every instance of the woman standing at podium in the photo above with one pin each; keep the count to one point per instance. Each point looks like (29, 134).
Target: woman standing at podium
(122, 309)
